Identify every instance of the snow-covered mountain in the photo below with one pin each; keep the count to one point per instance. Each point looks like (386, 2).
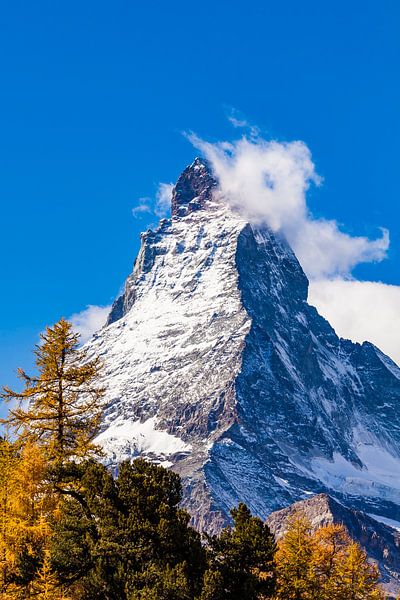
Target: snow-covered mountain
(216, 365)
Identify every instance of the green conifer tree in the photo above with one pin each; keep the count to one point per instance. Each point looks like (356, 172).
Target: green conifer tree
(241, 560)
(123, 538)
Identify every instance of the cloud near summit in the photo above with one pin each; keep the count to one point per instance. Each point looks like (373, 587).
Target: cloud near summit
(267, 181)
(89, 320)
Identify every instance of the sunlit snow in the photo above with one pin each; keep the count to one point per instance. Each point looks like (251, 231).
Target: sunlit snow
(126, 437)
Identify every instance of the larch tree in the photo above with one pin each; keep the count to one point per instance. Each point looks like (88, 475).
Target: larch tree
(8, 462)
(294, 561)
(324, 564)
(331, 541)
(356, 578)
(26, 532)
(46, 585)
(60, 407)
(53, 424)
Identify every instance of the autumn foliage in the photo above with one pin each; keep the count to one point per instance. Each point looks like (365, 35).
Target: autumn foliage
(323, 564)
(59, 408)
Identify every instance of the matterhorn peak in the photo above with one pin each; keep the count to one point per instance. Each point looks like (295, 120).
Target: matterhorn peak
(217, 367)
(193, 189)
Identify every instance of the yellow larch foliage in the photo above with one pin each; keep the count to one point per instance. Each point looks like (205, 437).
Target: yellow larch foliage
(59, 408)
(296, 578)
(8, 461)
(356, 578)
(45, 586)
(28, 508)
(325, 564)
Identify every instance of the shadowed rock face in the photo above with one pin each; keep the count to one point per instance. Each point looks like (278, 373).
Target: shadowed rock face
(216, 366)
(381, 542)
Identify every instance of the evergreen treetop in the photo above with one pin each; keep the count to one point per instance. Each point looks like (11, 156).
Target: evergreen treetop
(241, 560)
(60, 407)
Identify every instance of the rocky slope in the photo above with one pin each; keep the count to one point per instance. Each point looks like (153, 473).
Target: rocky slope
(380, 541)
(217, 366)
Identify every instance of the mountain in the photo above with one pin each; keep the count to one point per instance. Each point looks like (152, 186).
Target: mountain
(216, 366)
(380, 541)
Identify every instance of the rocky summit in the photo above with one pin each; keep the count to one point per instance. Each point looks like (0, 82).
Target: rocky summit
(216, 366)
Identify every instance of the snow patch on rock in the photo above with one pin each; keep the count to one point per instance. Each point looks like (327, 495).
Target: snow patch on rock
(125, 439)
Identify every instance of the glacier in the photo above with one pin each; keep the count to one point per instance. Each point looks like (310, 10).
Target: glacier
(216, 366)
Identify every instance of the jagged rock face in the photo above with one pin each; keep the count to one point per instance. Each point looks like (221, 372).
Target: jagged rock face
(216, 366)
(194, 189)
(380, 541)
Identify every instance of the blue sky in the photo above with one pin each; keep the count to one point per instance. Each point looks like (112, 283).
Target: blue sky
(96, 95)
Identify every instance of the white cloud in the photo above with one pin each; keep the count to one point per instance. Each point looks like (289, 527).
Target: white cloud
(159, 206)
(237, 122)
(163, 199)
(89, 320)
(267, 181)
(142, 208)
(240, 122)
(360, 311)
